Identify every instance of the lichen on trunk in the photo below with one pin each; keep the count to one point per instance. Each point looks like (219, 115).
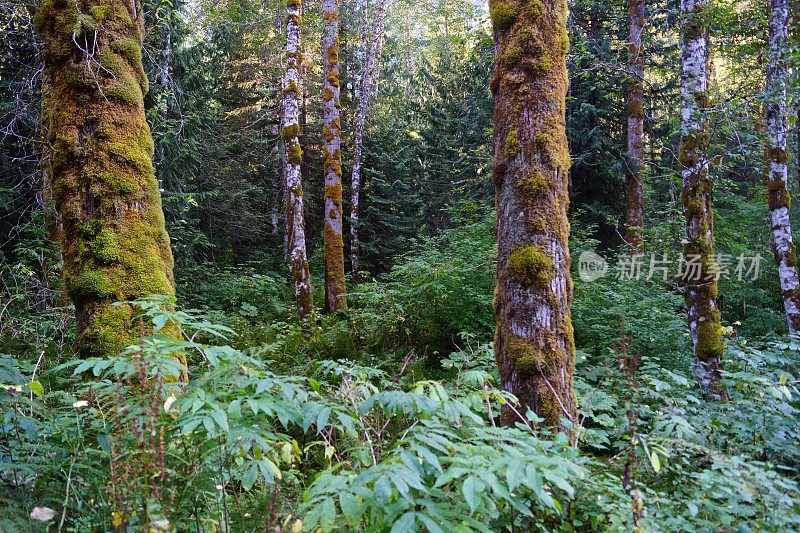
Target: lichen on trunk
(335, 297)
(776, 158)
(534, 344)
(293, 157)
(100, 167)
(696, 197)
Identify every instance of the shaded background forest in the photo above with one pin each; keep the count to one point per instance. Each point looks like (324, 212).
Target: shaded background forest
(428, 239)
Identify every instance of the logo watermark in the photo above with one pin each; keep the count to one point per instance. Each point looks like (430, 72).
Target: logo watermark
(687, 267)
(591, 266)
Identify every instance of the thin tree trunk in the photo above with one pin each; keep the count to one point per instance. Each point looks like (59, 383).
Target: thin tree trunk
(100, 168)
(165, 83)
(634, 220)
(534, 344)
(367, 81)
(696, 196)
(298, 262)
(777, 166)
(335, 299)
(362, 9)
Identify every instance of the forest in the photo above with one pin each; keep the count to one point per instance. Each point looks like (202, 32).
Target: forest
(399, 266)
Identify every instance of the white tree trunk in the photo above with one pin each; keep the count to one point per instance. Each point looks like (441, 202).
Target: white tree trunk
(701, 293)
(293, 157)
(776, 159)
(366, 86)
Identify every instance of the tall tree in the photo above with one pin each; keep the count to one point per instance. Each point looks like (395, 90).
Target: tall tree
(776, 160)
(335, 298)
(534, 344)
(634, 219)
(293, 157)
(367, 81)
(696, 196)
(100, 167)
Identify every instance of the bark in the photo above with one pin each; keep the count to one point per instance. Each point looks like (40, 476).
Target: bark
(534, 344)
(293, 158)
(696, 196)
(367, 82)
(100, 168)
(634, 219)
(335, 299)
(165, 85)
(776, 160)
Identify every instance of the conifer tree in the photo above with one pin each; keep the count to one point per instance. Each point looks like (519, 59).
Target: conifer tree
(534, 344)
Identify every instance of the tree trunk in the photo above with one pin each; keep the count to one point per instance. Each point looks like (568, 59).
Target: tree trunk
(776, 159)
(100, 168)
(634, 219)
(332, 135)
(696, 196)
(293, 158)
(534, 344)
(367, 80)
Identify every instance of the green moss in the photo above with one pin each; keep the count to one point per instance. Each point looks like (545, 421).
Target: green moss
(534, 186)
(510, 55)
(295, 154)
(291, 87)
(536, 224)
(692, 146)
(333, 78)
(127, 89)
(511, 144)
(132, 154)
(105, 246)
(778, 195)
(332, 56)
(531, 266)
(109, 331)
(553, 149)
(791, 258)
(503, 14)
(290, 132)
(534, 9)
(293, 3)
(709, 340)
(702, 99)
(524, 356)
(99, 12)
(333, 162)
(778, 155)
(327, 93)
(327, 134)
(90, 284)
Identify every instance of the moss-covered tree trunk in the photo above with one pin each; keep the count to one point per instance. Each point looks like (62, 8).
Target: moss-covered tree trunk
(100, 167)
(534, 344)
(368, 79)
(634, 219)
(777, 162)
(335, 297)
(701, 284)
(293, 158)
